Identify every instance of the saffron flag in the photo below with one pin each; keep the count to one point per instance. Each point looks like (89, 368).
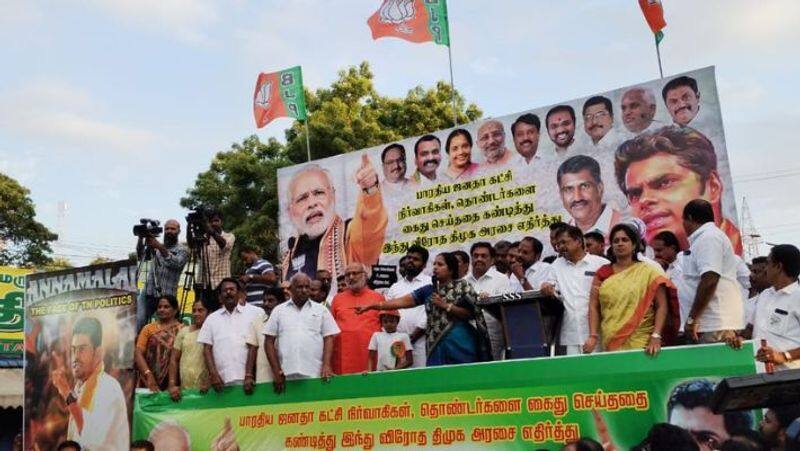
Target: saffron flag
(654, 15)
(412, 20)
(279, 94)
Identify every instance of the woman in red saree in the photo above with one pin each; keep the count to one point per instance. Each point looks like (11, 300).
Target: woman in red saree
(629, 301)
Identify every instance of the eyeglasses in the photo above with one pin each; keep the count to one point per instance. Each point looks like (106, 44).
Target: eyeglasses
(400, 161)
(592, 116)
(353, 273)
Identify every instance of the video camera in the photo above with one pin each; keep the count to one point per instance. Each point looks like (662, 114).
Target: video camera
(197, 221)
(148, 228)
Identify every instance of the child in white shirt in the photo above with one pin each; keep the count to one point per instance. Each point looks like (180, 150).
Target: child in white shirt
(389, 349)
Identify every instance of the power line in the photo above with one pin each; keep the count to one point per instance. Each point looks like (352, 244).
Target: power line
(767, 175)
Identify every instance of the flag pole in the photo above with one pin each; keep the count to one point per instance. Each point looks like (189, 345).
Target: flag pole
(452, 84)
(658, 55)
(308, 140)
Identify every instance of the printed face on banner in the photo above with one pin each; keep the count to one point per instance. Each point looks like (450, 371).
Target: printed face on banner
(526, 139)
(492, 141)
(459, 152)
(429, 155)
(638, 109)
(312, 202)
(394, 165)
(582, 196)
(561, 127)
(81, 329)
(660, 187)
(597, 121)
(683, 104)
(644, 166)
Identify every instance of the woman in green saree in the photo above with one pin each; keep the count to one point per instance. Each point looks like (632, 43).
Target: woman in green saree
(628, 304)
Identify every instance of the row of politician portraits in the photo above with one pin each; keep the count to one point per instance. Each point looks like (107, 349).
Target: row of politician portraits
(633, 154)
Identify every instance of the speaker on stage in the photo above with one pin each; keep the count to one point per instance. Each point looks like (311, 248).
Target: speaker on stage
(757, 391)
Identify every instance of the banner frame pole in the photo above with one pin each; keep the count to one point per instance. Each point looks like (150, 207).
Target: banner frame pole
(658, 55)
(452, 83)
(308, 140)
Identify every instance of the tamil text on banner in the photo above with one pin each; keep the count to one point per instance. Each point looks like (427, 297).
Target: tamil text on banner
(516, 404)
(80, 328)
(12, 310)
(637, 153)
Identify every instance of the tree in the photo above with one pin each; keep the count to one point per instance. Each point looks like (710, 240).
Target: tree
(99, 260)
(23, 240)
(349, 115)
(56, 264)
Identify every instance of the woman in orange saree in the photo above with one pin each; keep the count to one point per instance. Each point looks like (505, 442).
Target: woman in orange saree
(628, 304)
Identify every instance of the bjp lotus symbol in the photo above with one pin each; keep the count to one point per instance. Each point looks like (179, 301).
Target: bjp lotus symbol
(263, 96)
(398, 13)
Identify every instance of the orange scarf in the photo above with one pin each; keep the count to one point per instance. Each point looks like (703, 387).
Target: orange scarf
(90, 387)
(331, 250)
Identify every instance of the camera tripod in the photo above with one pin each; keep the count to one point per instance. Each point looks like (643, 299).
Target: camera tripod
(198, 255)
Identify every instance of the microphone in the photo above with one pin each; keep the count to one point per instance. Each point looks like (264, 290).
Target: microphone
(435, 283)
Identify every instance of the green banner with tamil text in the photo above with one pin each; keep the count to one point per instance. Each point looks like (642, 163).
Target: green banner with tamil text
(516, 404)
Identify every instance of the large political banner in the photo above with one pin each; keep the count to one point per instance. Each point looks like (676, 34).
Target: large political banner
(641, 151)
(12, 310)
(514, 404)
(80, 329)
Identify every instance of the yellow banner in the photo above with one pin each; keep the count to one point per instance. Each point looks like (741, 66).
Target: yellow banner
(12, 310)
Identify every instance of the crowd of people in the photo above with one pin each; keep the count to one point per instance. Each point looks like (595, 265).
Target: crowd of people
(618, 292)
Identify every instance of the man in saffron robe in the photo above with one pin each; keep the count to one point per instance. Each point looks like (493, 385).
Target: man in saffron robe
(350, 347)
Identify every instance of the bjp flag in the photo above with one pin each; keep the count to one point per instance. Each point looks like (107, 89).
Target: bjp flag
(654, 15)
(412, 20)
(279, 94)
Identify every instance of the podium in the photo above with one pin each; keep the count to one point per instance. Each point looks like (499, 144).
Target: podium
(530, 321)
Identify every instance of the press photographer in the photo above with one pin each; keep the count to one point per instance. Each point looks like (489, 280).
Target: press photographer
(166, 261)
(212, 248)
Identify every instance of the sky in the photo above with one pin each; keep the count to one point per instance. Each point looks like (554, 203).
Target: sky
(112, 107)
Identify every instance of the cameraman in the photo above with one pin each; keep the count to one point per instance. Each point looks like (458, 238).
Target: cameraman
(164, 271)
(215, 263)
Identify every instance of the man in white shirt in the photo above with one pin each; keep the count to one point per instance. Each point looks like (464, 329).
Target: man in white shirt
(570, 280)
(304, 331)
(709, 272)
(527, 272)
(487, 281)
(777, 318)
(413, 321)
(229, 359)
(742, 277)
(758, 283)
(273, 296)
(667, 253)
(98, 415)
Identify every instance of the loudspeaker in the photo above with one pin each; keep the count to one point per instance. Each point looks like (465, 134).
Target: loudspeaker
(757, 391)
